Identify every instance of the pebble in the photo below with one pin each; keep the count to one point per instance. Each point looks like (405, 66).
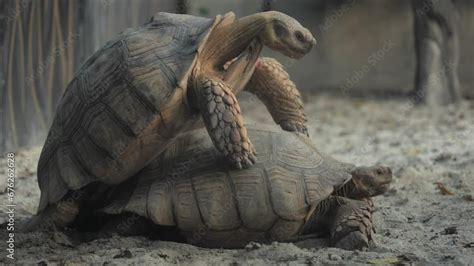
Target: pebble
(334, 257)
(253, 246)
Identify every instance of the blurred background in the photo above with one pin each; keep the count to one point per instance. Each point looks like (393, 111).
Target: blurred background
(365, 48)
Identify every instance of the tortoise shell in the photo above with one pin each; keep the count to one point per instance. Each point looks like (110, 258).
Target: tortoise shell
(125, 104)
(189, 187)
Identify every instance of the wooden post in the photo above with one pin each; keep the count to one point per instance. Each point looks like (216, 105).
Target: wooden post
(437, 51)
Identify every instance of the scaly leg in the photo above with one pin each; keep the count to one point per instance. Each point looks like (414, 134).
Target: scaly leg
(348, 221)
(351, 227)
(54, 217)
(223, 119)
(272, 85)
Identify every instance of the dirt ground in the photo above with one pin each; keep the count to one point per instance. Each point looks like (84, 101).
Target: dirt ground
(427, 217)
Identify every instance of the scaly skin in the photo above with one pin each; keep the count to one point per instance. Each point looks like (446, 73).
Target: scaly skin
(348, 221)
(223, 119)
(352, 225)
(54, 217)
(272, 29)
(272, 85)
(347, 213)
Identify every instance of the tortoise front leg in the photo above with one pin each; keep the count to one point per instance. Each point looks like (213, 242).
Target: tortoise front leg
(224, 122)
(351, 225)
(348, 221)
(272, 85)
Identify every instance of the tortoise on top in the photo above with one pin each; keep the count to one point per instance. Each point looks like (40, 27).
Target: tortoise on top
(134, 95)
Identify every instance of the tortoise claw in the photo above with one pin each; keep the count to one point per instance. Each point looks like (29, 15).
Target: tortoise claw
(238, 165)
(253, 158)
(294, 127)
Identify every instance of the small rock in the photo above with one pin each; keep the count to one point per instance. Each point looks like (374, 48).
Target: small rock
(334, 257)
(468, 197)
(444, 156)
(394, 143)
(452, 230)
(253, 246)
(124, 254)
(164, 256)
(468, 245)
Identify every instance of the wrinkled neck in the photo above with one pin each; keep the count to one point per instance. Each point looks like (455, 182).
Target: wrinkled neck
(348, 190)
(229, 40)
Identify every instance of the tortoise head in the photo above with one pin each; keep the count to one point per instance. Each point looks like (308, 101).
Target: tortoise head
(371, 181)
(286, 35)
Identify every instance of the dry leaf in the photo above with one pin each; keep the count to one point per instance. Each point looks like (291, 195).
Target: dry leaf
(442, 189)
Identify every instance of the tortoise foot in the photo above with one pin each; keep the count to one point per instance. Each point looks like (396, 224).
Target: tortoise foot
(353, 241)
(295, 127)
(245, 158)
(353, 228)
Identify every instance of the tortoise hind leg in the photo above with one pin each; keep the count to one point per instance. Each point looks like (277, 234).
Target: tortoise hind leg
(223, 119)
(54, 217)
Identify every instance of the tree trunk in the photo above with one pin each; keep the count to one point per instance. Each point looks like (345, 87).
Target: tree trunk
(437, 51)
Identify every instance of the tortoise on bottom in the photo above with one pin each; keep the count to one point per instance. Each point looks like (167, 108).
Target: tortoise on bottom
(292, 191)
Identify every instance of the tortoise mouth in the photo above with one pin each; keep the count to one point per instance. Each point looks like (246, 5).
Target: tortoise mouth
(384, 187)
(297, 54)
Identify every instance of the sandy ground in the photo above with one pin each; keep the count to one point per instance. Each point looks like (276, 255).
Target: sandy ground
(426, 218)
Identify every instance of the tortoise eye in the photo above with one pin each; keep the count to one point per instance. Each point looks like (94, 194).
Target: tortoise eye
(379, 172)
(299, 36)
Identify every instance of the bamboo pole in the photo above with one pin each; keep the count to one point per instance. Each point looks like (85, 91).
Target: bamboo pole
(34, 95)
(71, 27)
(51, 67)
(39, 30)
(21, 65)
(9, 82)
(62, 44)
